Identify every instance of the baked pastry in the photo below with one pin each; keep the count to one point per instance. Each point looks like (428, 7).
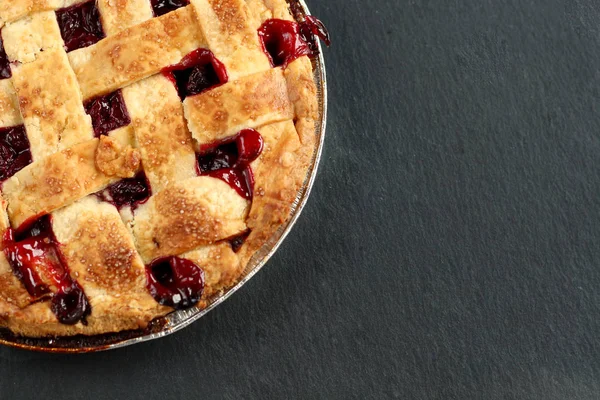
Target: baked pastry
(148, 148)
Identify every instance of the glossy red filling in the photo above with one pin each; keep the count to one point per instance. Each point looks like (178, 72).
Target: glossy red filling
(285, 41)
(80, 25)
(5, 72)
(161, 7)
(128, 192)
(230, 160)
(175, 282)
(197, 72)
(33, 251)
(15, 153)
(108, 112)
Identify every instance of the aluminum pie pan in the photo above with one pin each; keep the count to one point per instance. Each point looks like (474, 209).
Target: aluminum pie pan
(178, 320)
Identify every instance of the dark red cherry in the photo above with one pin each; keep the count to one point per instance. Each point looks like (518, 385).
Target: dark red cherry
(5, 71)
(16, 138)
(230, 160)
(175, 282)
(70, 305)
(34, 248)
(130, 191)
(284, 41)
(311, 29)
(197, 72)
(7, 157)
(22, 160)
(29, 250)
(39, 227)
(23, 258)
(249, 145)
(238, 241)
(202, 77)
(224, 156)
(80, 25)
(14, 151)
(108, 112)
(161, 7)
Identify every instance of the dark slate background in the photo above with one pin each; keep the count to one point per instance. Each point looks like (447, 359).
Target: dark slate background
(450, 249)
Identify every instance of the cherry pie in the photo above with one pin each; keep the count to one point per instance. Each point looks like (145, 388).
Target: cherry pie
(148, 148)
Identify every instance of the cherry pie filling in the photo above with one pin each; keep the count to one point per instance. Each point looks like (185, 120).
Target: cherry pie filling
(15, 153)
(197, 72)
(238, 241)
(284, 41)
(80, 25)
(108, 113)
(175, 282)
(128, 192)
(33, 253)
(230, 160)
(161, 7)
(5, 71)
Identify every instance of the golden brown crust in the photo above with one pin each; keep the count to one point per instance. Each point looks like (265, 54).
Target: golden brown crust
(113, 159)
(220, 264)
(161, 132)
(118, 15)
(136, 52)
(97, 247)
(9, 105)
(53, 114)
(11, 10)
(279, 173)
(247, 102)
(279, 9)
(26, 38)
(4, 222)
(186, 215)
(124, 135)
(259, 10)
(102, 258)
(306, 133)
(56, 181)
(13, 295)
(302, 90)
(37, 320)
(230, 31)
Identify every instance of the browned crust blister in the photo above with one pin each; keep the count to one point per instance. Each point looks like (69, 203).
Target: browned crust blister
(187, 215)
